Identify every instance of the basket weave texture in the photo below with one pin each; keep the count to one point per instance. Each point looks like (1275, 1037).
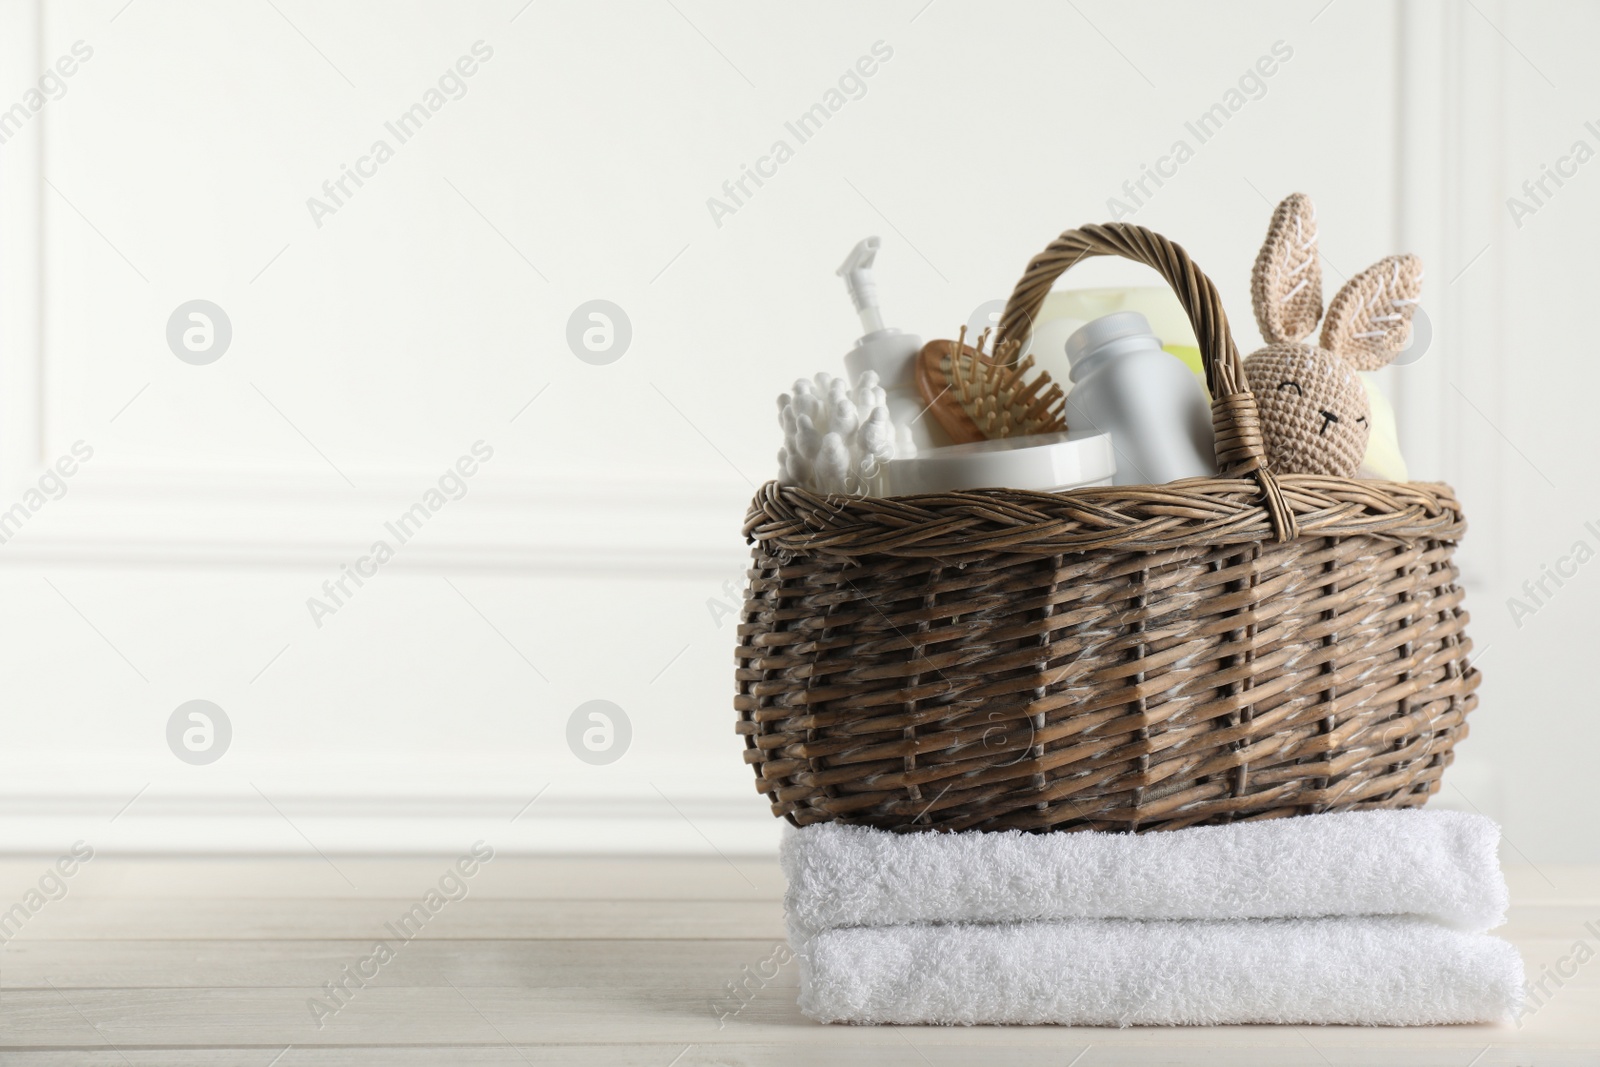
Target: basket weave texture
(1119, 658)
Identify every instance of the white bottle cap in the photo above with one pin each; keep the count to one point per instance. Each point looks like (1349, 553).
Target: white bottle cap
(1103, 334)
(1046, 462)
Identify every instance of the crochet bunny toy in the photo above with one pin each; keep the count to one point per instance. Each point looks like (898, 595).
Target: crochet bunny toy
(1314, 412)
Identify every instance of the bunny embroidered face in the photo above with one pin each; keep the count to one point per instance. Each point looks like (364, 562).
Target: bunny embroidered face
(1314, 408)
(1314, 412)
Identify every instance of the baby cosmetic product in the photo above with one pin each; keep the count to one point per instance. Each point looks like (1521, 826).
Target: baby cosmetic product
(1047, 462)
(1125, 385)
(885, 351)
(1065, 311)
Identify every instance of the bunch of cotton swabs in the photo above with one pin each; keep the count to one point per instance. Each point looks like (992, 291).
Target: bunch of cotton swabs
(836, 440)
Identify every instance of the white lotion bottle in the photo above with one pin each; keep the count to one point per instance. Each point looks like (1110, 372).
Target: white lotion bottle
(1126, 385)
(892, 354)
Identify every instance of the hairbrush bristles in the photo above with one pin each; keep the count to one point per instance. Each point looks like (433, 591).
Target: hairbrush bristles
(978, 395)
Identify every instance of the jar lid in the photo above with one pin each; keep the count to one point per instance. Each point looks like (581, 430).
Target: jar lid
(1046, 462)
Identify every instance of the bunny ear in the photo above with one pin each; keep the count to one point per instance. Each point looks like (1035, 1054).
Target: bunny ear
(1286, 285)
(1369, 321)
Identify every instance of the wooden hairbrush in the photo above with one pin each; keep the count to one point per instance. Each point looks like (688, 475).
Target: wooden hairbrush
(976, 396)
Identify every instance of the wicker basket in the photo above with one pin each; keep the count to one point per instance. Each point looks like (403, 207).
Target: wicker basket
(1123, 658)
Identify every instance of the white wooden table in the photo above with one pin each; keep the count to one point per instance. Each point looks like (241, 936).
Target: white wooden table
(585, 961)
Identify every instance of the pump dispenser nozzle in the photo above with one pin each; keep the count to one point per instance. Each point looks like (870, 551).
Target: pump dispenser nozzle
(857, 274)
(886, 352)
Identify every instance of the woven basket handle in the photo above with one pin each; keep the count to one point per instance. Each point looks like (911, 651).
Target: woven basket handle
(1236, 423)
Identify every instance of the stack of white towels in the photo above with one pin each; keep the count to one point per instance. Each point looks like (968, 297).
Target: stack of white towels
(1365, 918)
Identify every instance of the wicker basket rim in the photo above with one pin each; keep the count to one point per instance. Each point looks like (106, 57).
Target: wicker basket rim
(1194, 512)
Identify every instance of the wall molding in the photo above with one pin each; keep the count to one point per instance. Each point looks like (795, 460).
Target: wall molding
(594, 521)
(288, 802)
(1449, 65)
(233, 823)
(21, 255)
(121, 513)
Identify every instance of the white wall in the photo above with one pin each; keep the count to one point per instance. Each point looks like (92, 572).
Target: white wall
(585, 560)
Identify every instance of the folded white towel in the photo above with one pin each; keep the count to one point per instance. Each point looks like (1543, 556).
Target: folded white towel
(1437, 864)
(1114, 972)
